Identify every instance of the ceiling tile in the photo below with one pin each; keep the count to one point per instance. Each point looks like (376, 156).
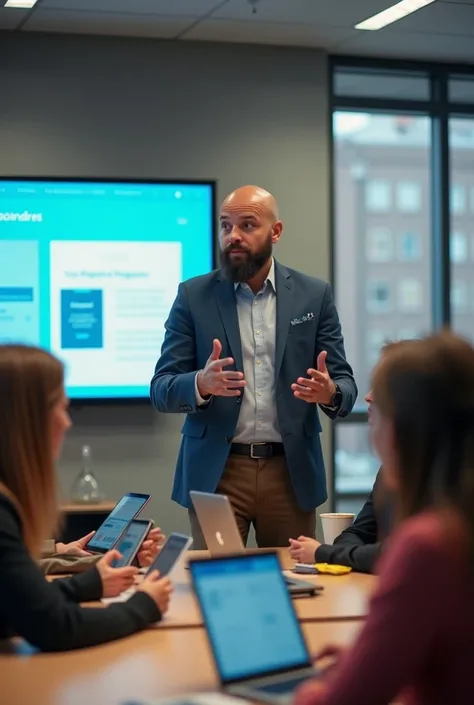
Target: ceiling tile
(342, 13)
(391, 43)
(440, 18)
(11, 17)
(268, 33)
(189, 8)
(107, 24)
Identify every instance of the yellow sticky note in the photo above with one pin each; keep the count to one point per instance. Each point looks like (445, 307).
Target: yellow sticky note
(330, 569)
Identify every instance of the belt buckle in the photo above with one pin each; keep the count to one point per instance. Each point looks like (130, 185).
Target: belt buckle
(252, 452)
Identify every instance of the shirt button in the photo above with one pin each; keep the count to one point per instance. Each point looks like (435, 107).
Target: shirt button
(255, 302)
(259, 394)
(259, 362)
(257, 332)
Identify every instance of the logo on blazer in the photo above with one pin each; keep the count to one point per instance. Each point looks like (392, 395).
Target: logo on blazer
(219, 538)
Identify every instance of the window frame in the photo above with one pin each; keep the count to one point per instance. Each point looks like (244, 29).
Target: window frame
(439, 109)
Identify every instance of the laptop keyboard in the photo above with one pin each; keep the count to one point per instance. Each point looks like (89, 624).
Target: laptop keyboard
(283, 687)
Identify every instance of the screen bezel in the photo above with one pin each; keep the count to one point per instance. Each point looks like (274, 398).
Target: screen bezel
(244, 557)
(79, 402)
(132, 495)
(187, 541)
(147, 525)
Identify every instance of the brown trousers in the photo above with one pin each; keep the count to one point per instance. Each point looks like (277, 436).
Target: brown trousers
(261, 494)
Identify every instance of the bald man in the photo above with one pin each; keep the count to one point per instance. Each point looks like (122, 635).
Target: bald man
(251, 351)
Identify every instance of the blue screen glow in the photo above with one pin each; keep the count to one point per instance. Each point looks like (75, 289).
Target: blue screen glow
(89, 270)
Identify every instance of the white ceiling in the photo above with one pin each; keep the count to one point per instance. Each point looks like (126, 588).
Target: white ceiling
(442, 31)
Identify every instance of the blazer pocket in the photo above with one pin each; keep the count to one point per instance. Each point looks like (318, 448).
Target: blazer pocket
(194, 430)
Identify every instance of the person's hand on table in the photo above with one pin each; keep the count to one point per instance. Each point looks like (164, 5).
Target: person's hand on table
(76, 548)
(159, 589)
(115, 580)
(150, 547)
(318, 388)
(303, 548)
(312, 692)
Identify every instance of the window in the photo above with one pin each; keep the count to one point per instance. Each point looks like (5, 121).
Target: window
(409, 246)
(408, 334)
(459, 296)
(373, 154)
(410, 296)
(458, 199)
(461, 89)
(380, 83)
(408, 197)
(376, 339)
(458, 248)
(378, 297)
(378, 196)
(379, 245)
(356, 465)
(461, 161)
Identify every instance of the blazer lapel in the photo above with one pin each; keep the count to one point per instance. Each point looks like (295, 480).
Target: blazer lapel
(227, 305)
(284, 298)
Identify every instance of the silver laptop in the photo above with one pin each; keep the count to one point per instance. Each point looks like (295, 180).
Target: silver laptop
(221, 533)
(255, 636)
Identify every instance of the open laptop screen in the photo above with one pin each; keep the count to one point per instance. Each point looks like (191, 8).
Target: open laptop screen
(249, 616)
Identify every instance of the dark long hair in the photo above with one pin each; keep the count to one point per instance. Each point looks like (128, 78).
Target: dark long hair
(426, 388)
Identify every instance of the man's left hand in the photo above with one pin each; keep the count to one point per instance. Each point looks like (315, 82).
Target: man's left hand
(318, 388)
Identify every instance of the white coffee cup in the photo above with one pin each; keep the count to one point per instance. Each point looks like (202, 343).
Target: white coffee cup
(334, 524)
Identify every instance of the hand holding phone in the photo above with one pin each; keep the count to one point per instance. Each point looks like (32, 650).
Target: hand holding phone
(159, 589)
(115, 580)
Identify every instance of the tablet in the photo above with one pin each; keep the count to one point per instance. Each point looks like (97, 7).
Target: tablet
(171, 550)
(110, 531)
(131, 540)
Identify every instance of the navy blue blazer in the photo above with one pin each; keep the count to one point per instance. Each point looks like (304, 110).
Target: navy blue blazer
(205, 308)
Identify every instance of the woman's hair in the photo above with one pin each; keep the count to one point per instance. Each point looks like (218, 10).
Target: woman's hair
(426, 388)
(31, 383)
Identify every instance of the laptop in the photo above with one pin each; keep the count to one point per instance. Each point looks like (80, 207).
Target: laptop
(256, 639)
(219, 527)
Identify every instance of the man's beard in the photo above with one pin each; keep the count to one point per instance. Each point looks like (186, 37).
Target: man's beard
(250, 264)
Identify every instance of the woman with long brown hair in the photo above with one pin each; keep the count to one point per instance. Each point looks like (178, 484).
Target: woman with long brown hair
(33, 421)
(418, 640)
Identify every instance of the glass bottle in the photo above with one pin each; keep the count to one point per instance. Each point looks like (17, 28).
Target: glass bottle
(86, 487)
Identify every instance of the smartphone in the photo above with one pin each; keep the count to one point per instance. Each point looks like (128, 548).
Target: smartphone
(171, 550)
(131, 540)
(305, 568)
(110, 531)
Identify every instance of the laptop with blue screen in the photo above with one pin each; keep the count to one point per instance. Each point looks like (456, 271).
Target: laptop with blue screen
(254, 633)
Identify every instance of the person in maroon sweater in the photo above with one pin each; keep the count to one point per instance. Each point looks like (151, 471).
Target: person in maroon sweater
(417, 645)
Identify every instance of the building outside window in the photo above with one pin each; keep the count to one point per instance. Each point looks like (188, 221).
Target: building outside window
(378, 296)
(378, 196)
(410, 295)
(409, 246)
(379, 245)
(408, 195)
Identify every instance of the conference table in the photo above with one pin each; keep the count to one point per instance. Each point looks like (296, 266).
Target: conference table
(173, 657)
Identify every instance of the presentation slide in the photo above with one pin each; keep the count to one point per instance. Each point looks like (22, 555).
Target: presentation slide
(90, 270)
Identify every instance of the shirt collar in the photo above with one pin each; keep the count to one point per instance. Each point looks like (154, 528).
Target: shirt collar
(269, 280)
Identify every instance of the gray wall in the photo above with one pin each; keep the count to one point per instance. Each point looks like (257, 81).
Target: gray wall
(101, 107)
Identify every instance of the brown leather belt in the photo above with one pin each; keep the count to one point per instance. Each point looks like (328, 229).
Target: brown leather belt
(258, 451)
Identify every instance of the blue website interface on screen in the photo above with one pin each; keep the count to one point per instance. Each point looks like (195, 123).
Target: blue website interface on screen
(249, 617)
(116, 523)
(90, 271)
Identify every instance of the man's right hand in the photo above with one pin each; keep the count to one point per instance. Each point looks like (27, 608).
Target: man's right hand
(213, 380)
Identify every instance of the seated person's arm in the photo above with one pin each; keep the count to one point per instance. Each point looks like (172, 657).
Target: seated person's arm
(45, 614)
(357, 546)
